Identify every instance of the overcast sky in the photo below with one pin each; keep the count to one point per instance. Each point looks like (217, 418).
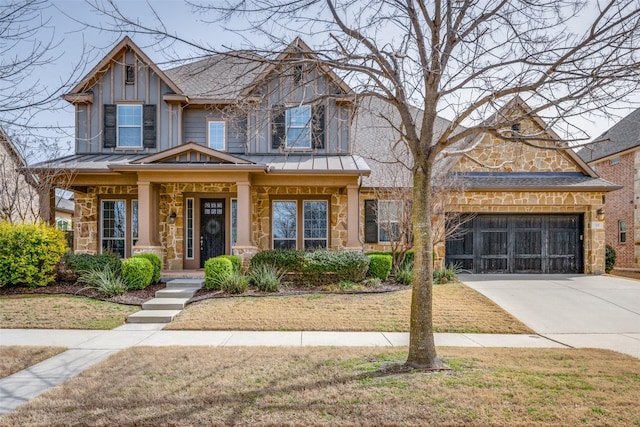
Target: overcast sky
(73, 38)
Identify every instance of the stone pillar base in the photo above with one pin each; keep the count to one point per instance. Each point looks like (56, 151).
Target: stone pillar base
(158, 250)
(245, 253)
(357, 247)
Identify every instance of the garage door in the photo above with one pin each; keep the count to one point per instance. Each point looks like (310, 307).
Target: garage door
(518, 244)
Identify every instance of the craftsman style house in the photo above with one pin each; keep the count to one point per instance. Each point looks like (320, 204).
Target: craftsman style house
(235, 154)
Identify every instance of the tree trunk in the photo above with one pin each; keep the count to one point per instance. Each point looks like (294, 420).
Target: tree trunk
(422, 349)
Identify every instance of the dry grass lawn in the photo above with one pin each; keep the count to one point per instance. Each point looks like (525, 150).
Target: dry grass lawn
(17, 358)
(457, 308)
(61, 312)
(193, 386)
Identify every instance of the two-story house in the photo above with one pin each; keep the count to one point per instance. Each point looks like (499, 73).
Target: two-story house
(236, 153)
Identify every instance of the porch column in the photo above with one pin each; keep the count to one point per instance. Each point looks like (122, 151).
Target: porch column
(147, 218)
(353, 216)
(244, 247)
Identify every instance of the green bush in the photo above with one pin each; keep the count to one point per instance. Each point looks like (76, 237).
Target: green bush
(380, 266)
(235, 283)
(85, 262)
(29, 253)
(266, 277)
(345, 265)
(610, 258)
(137, 272)
(286, 260)
(106, 281)
(408, 257)
(236, 261)
(215, 271)
(156, 262)
(405, 275)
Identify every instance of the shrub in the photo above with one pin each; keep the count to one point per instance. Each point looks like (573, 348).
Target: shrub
(345, 265)
(408, 258)
(405, 275)
(287, 260)
(137, 272)
(106, 281)
(447, 274)
(79, 263)
(236, 261)
(380, 266)
(266, 277)
(610, 258)
(156, 263)
(215, 271)
(235, 283)
(29, 253)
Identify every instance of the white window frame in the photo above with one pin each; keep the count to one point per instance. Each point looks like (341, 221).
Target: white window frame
(119, 125)
(307, 126)
(382, 218)
(273, 238)
(234, 223)
(224, 134)
(326, 236)
(135, 226)
(102, 218)
(189, 225)
(622, 232)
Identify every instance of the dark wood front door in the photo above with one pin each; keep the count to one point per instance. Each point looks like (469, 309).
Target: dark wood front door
(519, 244)
(212, 225)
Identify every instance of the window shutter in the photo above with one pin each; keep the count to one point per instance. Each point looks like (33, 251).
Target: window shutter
(370, 221)
(109, 128)
(149, 126)
(278, 127)
(317, 123)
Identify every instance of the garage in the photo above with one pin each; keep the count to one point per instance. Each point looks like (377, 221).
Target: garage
(518, 244)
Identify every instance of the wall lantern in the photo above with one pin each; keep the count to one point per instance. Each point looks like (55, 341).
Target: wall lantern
(600, 214)
(172, 218)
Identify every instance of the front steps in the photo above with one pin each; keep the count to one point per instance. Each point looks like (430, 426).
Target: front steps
(168, 302)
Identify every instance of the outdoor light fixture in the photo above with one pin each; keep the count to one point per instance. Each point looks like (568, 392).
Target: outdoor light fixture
(600, 214)
(172, 218)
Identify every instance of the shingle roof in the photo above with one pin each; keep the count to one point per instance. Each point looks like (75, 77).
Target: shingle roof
(541, 181)
(623, 136)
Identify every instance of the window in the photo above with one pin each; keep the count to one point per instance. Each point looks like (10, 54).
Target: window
(314, 217)
(298, 121)
(234, 223)
(389, 212)
(285, 224)
(614, 161)
(130, 77)
(315, 224)
(114, 226)
(129, 124)
(217, 135)
(189, 226)
(63, 224)
(622, 231)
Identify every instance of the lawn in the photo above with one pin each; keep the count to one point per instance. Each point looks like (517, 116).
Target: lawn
(457, 308)
(61, 312)
(17, 358)
(343, 386)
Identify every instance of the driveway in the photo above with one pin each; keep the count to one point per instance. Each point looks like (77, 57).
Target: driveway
(578, 310)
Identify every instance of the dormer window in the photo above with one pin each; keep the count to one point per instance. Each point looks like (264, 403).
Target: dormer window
(130, 77)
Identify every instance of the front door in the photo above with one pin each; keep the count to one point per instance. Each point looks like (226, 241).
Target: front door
(212, 224)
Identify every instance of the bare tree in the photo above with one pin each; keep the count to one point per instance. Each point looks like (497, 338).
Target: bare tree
(464, 59)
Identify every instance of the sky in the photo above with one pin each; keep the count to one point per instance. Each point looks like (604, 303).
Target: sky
(72, 38)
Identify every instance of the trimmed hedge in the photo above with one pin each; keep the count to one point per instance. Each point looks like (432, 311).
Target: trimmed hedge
(29, 253)
(408, 258)
(137, 272)
(156, 263)
(216, 270)
(380, 266)
(315, 267)
(235, 260)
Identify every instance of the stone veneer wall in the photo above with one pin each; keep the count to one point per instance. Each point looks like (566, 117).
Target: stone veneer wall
(261, 212)
(87, 211)
(172, 200)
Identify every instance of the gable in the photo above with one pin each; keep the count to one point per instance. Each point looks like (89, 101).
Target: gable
(191, 153)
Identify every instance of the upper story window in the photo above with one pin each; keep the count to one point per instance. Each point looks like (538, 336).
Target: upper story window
(216, 135)
(622, 231)
(614, 161)
(298, 120)
(129, 124)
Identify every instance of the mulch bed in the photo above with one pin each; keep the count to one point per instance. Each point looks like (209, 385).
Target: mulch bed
(139, 296)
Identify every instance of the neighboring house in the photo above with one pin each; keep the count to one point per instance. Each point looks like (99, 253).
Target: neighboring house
(234, 154)
(615, 155)
(64, 208)
(19, 200)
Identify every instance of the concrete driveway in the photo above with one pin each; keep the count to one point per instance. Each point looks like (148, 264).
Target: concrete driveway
(577, 310)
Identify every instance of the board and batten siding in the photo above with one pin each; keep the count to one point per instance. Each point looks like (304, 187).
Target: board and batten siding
(194, 128)
(111, 88)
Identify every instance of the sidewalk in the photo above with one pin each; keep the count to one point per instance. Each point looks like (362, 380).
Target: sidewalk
(86, 348)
